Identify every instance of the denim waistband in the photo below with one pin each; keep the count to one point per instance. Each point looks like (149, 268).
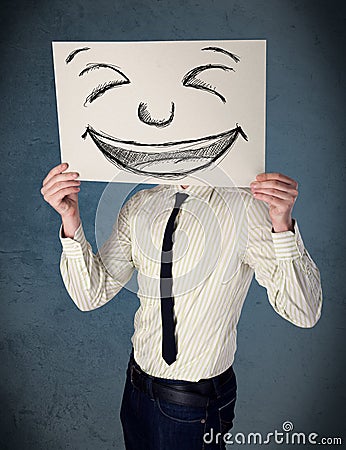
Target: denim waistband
(213, 387)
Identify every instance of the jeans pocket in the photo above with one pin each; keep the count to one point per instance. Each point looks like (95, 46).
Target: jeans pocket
(226, 415)
(182, 413)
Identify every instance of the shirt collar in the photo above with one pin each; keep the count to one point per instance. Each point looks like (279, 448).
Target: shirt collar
(201, 192)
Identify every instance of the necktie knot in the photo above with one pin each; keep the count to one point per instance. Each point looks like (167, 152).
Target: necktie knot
(180, 197)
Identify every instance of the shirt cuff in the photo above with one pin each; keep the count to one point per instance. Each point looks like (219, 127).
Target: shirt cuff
(288, 245)
(74, 248)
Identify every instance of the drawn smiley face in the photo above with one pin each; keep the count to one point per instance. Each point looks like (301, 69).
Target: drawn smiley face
(159, 109)
(169, 160)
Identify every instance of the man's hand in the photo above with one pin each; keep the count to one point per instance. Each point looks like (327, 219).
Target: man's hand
(280, 192)
(60, 189)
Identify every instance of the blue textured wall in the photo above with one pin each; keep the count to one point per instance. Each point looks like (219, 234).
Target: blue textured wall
(62, 371)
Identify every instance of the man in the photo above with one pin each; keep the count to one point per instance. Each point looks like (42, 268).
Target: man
(180, 381)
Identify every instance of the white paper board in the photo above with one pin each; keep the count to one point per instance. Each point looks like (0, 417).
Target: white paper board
(185, 112)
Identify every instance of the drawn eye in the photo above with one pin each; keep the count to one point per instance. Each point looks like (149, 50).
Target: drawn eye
(102, 88)
(191, 79)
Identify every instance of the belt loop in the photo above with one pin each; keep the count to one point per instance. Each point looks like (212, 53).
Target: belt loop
(150, 387)
(216, 386)
(131, 372)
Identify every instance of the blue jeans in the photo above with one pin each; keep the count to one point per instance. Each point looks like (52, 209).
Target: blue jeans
(153, 424)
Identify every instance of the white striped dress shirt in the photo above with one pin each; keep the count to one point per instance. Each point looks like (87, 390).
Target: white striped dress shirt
(223, 237)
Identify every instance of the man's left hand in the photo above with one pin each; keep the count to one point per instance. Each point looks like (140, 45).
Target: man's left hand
(280, 192)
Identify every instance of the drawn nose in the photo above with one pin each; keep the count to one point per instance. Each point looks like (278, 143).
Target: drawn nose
(145, 116)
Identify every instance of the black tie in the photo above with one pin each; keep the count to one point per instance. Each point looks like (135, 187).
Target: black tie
(169, 348)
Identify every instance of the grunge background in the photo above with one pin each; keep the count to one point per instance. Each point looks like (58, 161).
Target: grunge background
(62, 371)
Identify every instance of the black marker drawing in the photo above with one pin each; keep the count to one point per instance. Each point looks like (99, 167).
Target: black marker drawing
(191, 80)
(74, 53)
(95, 66)
(225, 52)
(169, 160)
(146, 117)
(174, 160)
(99, 90)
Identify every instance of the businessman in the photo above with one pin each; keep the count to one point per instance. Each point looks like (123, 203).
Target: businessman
(196, 249)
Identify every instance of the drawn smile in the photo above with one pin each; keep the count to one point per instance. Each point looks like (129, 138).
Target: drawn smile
(169, 160)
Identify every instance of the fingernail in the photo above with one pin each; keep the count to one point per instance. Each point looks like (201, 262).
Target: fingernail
(254, 184)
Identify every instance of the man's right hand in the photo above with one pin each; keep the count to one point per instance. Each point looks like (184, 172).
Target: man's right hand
(60, 189)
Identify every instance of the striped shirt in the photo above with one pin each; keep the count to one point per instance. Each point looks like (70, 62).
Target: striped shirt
(222, 238)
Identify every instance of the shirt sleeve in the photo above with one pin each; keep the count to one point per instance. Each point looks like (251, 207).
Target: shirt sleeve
(284, 267)
(92, 280)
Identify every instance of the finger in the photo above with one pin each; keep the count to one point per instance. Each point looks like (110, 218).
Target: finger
(55, 199)
(277, 176)
(283, 195)
(274, 184)
(56, 187)
(270, 199)
(67, 176)
(55, 171)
